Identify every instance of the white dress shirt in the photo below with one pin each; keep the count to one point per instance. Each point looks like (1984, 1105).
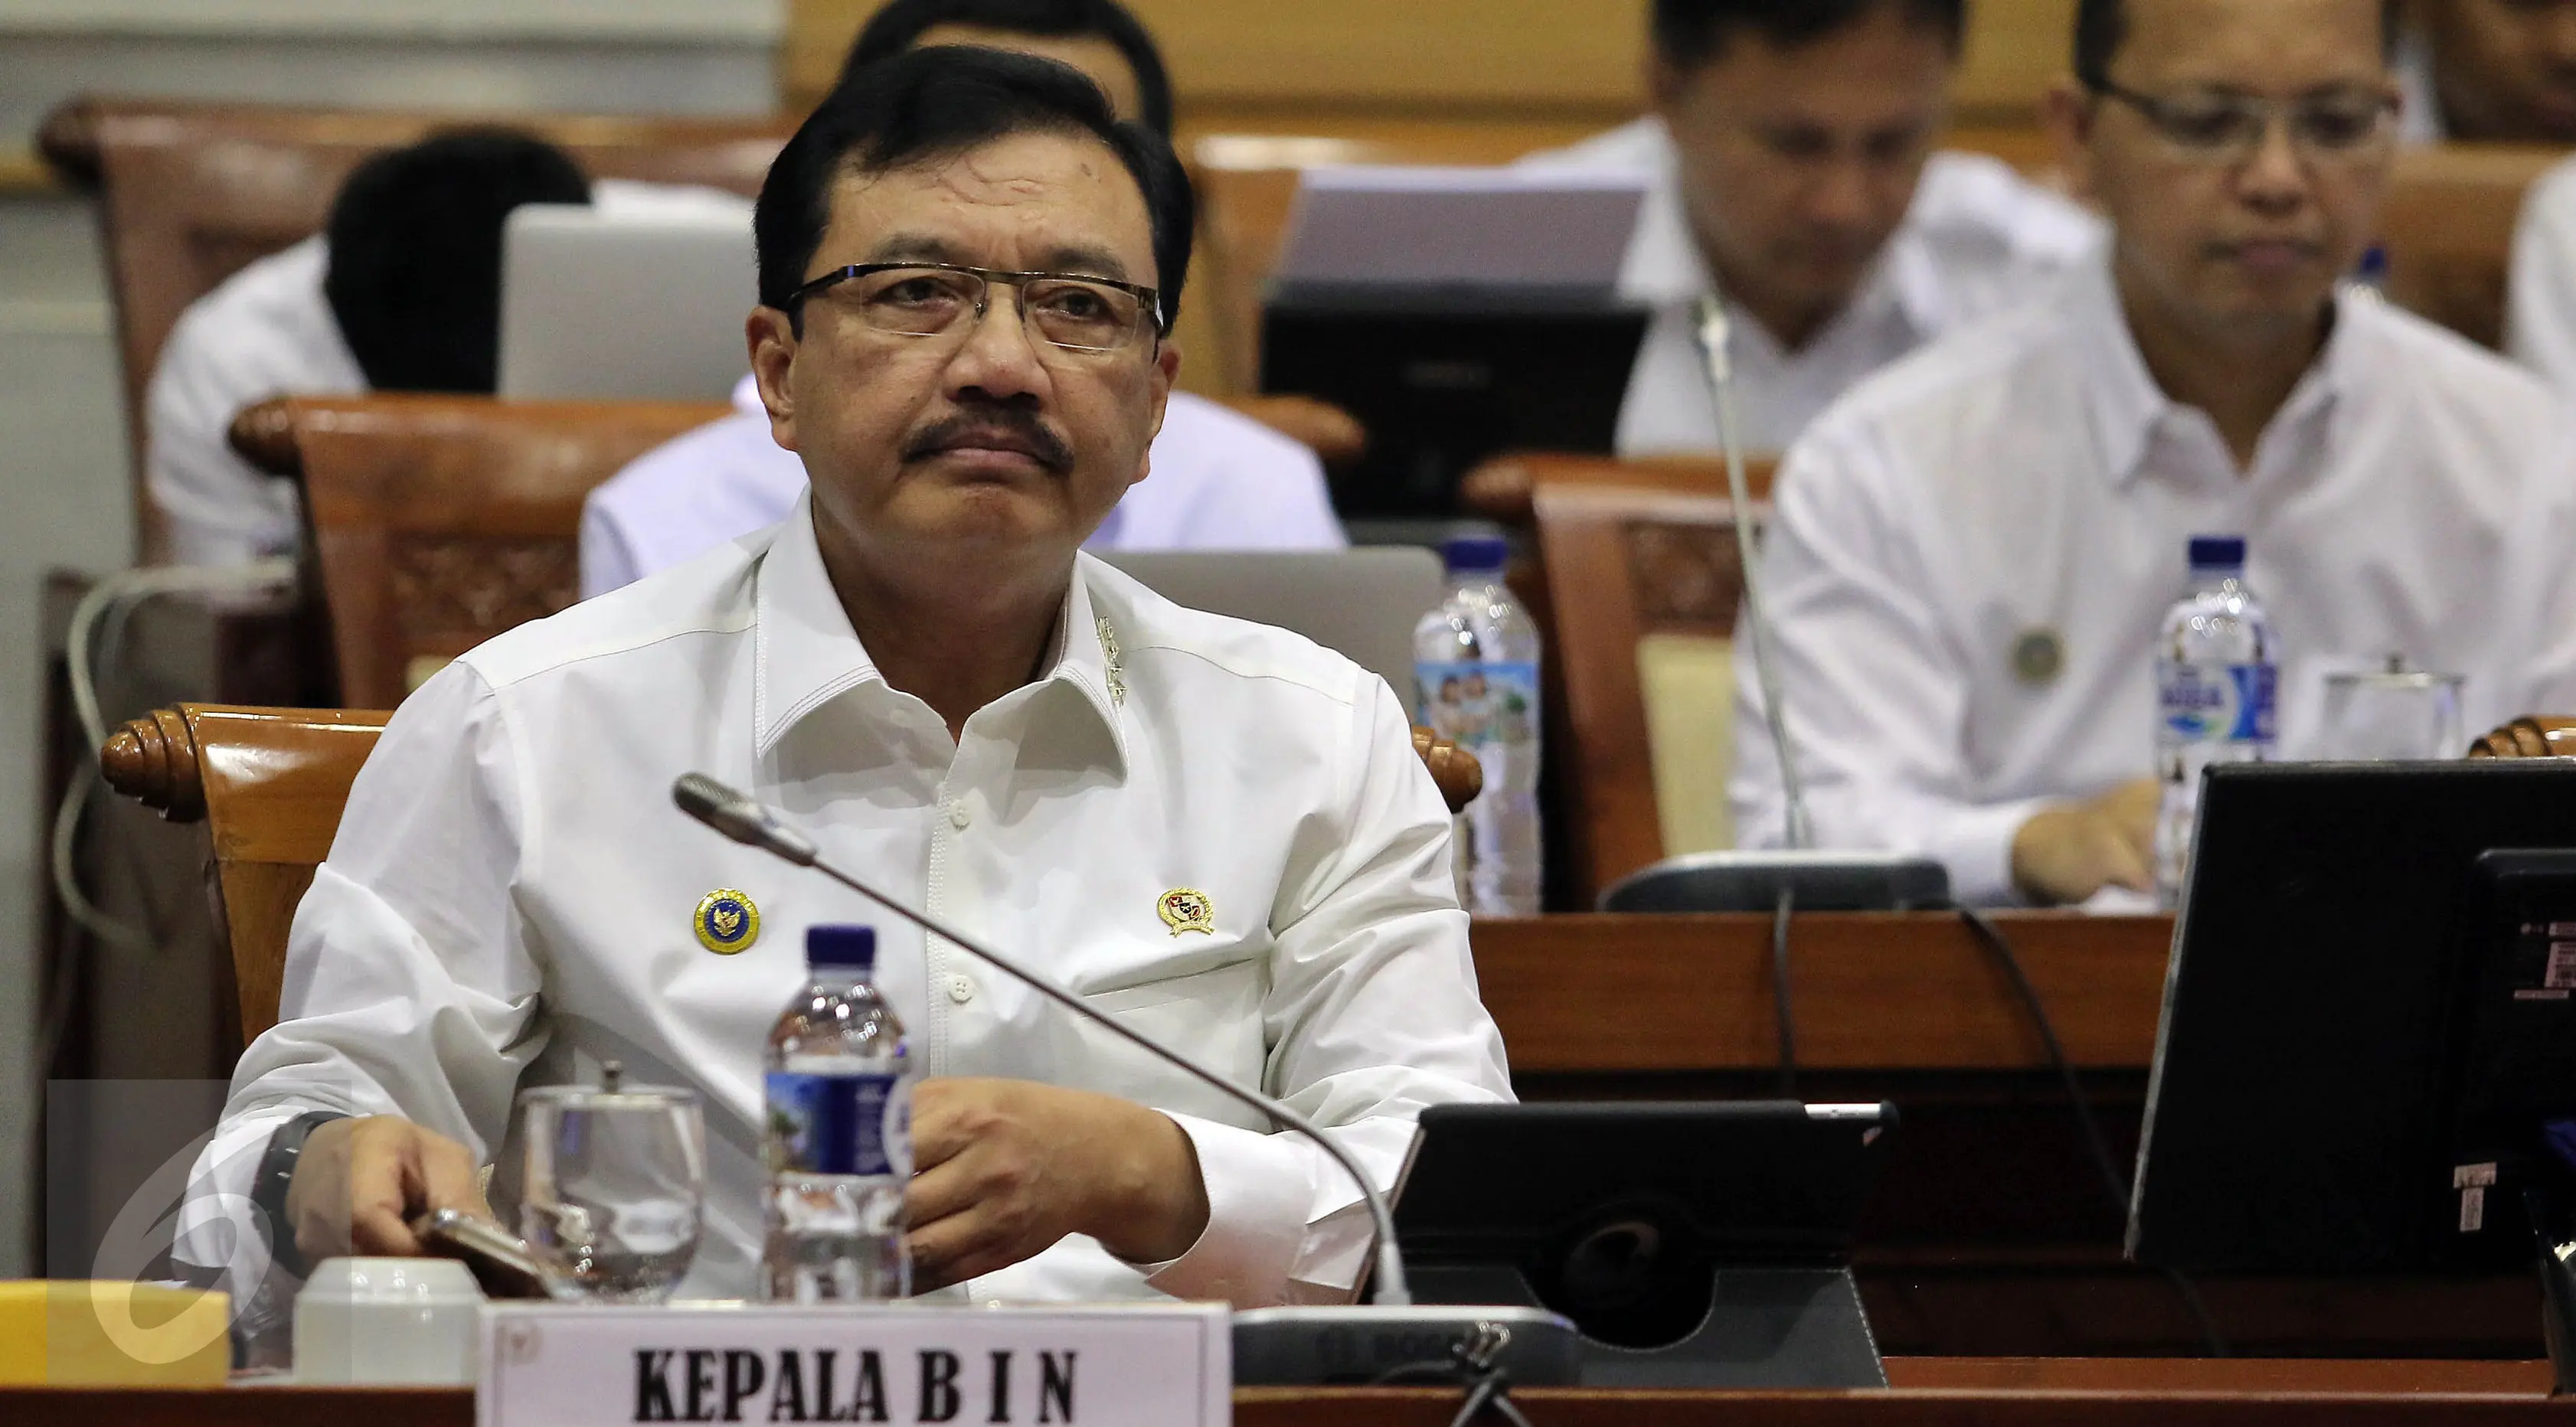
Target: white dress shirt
(511, 898)
(1220, 481)
(2540, 296)
(2029, 482)
(268, 331)
(1978, 238)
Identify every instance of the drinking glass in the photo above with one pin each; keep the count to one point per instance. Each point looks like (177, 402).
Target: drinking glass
(612, 1197)
(2392, 714)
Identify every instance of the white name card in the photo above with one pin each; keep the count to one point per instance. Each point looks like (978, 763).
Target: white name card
(576, 1365)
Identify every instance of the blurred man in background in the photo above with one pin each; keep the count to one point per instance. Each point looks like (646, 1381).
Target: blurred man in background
(400, 292)
(1221, 481)
(1791, 153)
(2490, 71)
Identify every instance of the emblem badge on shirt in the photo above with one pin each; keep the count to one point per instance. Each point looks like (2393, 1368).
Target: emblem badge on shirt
(2039, 656)
(1187, 909)
(1109, 661)
(727, 921)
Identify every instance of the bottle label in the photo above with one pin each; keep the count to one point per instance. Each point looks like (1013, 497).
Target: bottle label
(1480, 704)
(840, 1124)
(2217, 703)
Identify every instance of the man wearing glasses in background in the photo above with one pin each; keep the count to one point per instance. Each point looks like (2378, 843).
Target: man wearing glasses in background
(966, 271)
(1973, 552)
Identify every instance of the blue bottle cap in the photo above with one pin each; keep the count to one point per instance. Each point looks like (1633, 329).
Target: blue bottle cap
(1476, 553)
(846, 947)
(2218, 552)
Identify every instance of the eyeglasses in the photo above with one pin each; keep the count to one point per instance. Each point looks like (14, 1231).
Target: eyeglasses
(2230, 128)
(1079, 314)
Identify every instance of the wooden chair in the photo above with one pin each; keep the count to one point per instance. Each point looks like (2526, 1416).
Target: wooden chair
(270, 785)
(1641, 587)
(2532, 736)
(437, 522)
(2448, 229)
(1503, 489)
(190, 193)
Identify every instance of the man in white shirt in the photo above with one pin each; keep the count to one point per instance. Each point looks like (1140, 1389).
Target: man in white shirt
(1791, 168)
(924, 671)
(1221, 481)
(401, 292)
(2489, 71)
(2540, 292)
(1971, 555)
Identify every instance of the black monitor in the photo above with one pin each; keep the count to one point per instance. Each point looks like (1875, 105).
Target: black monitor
(1696, 1245)
(2368, 1020)
(1443, 378)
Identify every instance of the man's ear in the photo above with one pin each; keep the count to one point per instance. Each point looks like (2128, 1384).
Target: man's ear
(2068, 112)
(772, 338)
(1167, 370)
(1665, 82)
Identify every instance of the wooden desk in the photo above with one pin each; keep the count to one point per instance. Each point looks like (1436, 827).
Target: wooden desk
(1987, 1392)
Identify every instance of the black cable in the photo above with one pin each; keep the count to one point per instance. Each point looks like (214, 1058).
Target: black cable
(2114, 1186)
(1780, 1002)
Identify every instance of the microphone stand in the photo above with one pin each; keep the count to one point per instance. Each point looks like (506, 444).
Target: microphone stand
(1286, 1345)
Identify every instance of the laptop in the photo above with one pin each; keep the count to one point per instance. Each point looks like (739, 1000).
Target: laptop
(1361, 603)
(605, 304)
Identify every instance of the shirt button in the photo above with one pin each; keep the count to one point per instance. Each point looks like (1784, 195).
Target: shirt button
(961, 989)
(958, 817)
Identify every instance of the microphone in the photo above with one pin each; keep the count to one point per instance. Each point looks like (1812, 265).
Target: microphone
(745, 820)
(1747, 880)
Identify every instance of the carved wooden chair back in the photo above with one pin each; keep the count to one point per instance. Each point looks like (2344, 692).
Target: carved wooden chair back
(192, 192)
(2448, 229)
(436, 522)
(1641, 586)
(270, 785)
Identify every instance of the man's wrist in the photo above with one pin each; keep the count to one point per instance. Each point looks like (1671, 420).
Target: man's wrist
(1158, 1206)
(275, 1181)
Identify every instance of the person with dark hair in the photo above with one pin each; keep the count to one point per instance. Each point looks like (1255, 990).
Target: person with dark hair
(1792, 169)
(1101, 38)
(967, 272)
(1970, 557)
(1222, 481)
(400, 292)
(2489, 71)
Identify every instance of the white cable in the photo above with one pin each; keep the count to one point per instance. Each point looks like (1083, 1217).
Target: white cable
(1721, 383)
(119, 593)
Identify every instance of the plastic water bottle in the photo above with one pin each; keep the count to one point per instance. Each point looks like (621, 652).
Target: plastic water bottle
(2217, 688)
(1476, 659)
(837, 1133)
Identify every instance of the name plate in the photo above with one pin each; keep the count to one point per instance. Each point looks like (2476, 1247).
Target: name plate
(578, 1365)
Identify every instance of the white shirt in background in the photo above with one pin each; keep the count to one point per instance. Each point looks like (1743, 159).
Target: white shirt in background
(2026, 487)
(1220, 481)
(1978, 238)
(268, 331)
(511, 898)
(2540, 294)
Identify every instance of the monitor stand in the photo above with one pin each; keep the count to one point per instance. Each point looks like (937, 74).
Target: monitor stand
(1767, 1327)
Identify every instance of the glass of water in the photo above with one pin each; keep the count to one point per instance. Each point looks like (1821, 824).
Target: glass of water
(613, 1188)
(2393, 714)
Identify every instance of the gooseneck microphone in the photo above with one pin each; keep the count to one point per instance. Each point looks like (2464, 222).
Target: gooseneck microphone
(745, 820)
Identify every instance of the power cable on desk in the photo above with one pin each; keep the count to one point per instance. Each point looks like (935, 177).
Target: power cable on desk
(1781, 1010)
(2113, 1185)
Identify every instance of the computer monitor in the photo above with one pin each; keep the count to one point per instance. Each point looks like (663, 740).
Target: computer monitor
(609, 303)
(2368, 1020)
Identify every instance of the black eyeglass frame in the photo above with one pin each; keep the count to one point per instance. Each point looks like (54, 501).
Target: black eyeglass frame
(1152, 298)
(2156, 110)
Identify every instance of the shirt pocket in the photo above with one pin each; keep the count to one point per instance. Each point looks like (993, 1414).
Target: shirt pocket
(1213, 1017)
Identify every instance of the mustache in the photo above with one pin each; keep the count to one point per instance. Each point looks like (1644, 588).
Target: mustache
(1011, 430)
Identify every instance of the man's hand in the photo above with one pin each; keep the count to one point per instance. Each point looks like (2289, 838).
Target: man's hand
(2068, 852)
(1005, 1168)
(360, 1183)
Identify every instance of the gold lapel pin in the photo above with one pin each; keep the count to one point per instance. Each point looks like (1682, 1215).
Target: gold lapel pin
(727, 921)
(1187, 909)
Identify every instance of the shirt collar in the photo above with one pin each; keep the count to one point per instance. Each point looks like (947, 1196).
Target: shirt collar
(2126, 405)
(806, 654)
